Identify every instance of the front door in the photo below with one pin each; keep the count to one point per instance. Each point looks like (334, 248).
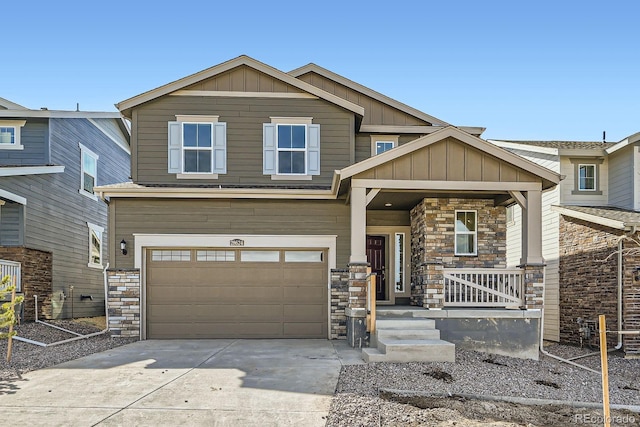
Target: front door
(376, 256)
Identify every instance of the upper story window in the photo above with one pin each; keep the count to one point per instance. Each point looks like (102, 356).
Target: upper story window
(10, 134)
(88, 171)
(587, 178)
(382, 143)
(197, 147)
(291, 148)
(466, 233)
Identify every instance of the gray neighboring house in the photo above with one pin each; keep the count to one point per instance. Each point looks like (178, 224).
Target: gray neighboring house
(587, 220)
(53, 227)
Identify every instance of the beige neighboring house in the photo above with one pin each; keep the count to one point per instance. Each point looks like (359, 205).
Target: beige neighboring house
(588, 219)
(260, 197)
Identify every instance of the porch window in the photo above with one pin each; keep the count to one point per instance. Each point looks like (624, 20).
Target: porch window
(466, 242)
(399, 262)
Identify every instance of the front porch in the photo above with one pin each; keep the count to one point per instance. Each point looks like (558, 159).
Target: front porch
(455, 189)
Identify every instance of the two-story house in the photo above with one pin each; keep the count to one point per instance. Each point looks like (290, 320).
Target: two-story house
(259, 197)
(53, 226)
(590, 239)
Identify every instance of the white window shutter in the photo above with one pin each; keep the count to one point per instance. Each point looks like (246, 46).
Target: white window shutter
(175, 148)
(220, 148)
(313, 150)
(269, 149)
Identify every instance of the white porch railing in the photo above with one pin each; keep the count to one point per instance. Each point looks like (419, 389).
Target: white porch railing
(12, 269)
(475, 287)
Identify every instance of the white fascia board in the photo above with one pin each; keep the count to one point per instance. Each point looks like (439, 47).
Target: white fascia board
(52, 114)
(611, 223)
(625, 142)
(13, 197)
(30, 170)
(214, 193)
(524, 147)
(582, 152)
(118, 143)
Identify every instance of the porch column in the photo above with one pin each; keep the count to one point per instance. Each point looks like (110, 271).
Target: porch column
(358, 225)
(532, 229)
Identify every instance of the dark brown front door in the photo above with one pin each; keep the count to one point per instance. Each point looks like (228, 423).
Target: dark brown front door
(376, 256)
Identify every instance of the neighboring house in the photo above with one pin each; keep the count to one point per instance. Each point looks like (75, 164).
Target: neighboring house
(53, 227)
(254, 189)
(592, 214)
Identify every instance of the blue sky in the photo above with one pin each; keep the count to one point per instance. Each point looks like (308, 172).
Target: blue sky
(542, 69)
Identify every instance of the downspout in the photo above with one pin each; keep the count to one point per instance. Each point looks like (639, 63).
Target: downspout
(620, 245)
(545, 352)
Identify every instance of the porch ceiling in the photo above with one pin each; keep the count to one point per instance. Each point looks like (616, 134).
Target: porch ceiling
(407, 199)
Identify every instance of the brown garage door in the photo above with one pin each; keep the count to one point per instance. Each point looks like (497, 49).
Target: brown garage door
(238, 293)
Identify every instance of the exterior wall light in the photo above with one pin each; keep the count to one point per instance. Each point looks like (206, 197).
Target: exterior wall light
(123, 246)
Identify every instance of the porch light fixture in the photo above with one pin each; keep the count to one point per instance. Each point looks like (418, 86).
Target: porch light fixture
(636, 274)
(388, 205)
(123, 246)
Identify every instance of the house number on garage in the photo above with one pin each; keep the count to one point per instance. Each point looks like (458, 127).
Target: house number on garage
(236, 242)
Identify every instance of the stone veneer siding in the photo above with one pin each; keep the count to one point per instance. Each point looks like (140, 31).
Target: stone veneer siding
(124, 302)
(339, 302)
(589, 281)
(36, 271)
(432, 243)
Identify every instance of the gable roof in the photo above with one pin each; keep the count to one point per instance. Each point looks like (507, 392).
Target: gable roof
(313, 68)
(5, 103)
(549, 178)
(631, 139)
(126, 105)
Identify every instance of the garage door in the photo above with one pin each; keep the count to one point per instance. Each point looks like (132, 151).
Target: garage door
(236, 293)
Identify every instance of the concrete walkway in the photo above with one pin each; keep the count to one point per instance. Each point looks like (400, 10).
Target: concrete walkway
(185, 382)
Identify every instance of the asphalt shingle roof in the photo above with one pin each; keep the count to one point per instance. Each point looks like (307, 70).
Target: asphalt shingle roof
(565, 144)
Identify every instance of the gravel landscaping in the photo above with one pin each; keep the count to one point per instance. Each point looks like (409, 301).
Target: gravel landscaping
(443, 394)
(29, 357)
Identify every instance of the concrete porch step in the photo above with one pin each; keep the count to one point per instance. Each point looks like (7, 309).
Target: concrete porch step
(408, 334)
(402, 312)
(405, 323)
(410, 351)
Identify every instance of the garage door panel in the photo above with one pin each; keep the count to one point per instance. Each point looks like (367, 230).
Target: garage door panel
(302, 276)
(302, 313)
(210, 297)
(305, 330)
(305, 294)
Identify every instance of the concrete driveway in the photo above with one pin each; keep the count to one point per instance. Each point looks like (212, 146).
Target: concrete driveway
(185, 382)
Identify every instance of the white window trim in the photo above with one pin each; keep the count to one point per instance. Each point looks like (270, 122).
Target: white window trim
(84, 150)
(466, 233)
(292, 121)
(382, 138)
(197, 119)
(17, 125)
(99, 231)
(297, 150)
(199, 175)
(595, 177)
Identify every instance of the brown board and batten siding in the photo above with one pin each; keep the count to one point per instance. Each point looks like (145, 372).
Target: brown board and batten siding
(244, 79)
(449, 160)
(244, 118)
(228, 216)
(376, 112)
